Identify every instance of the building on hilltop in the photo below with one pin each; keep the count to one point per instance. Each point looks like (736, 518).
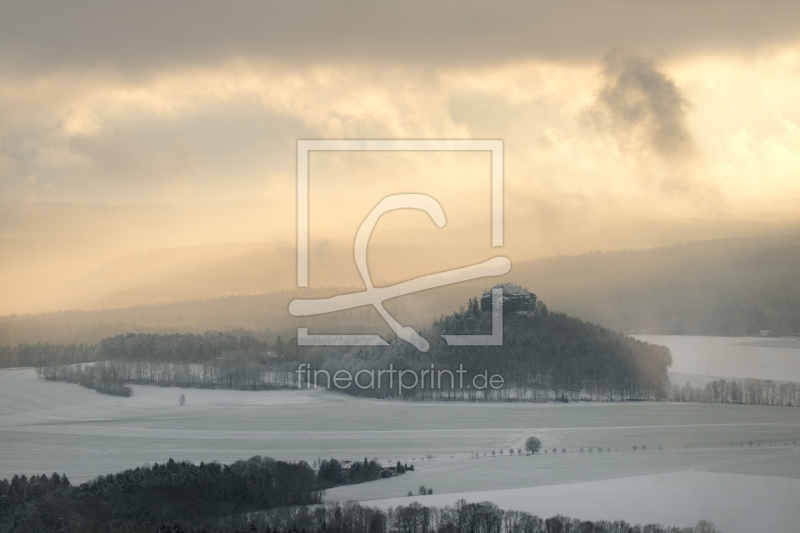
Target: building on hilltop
(515, 300)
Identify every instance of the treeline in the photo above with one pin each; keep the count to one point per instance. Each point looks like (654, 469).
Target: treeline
(228, 360)
(152, 494)
(232, 372)
(104, 377)
(462, 517)
(750, 391)
(256, 495)
(544, 357)
(41, 354)
(176, 347)
(332, 473)
(185, 348)
(173, 491)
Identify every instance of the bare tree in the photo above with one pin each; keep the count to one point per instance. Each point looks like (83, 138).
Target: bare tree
(704, 526)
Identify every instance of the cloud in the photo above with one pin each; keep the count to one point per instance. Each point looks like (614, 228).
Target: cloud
(642, 108)
(198, 134)
(151, 35)
(229, 132)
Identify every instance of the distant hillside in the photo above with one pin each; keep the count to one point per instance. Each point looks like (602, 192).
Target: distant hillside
(56, 256)
(725, 287)
(718, 287)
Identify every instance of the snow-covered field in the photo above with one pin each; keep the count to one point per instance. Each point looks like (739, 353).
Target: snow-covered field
(734, 357)
(735, 503)
(49, 426)
(496, 473)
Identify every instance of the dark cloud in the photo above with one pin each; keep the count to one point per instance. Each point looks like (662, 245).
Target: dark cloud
(147, 34)
(644, 110)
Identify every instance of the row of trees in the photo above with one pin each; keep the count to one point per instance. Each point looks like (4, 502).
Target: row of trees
(186, 347)
(462, 517)
(237, 371)
(750, 391)
(231, 372)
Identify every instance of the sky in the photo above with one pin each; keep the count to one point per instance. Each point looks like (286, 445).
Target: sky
(660, 108)
(117, 102)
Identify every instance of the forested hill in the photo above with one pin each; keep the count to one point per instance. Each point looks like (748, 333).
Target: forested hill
(547, 355)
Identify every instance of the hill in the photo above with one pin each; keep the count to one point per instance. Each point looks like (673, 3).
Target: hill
(717, 287)
(728, 287)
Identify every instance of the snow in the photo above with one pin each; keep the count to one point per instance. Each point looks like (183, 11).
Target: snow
(732, 357)
(498, 473)
(50, 426)
(735, 503)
